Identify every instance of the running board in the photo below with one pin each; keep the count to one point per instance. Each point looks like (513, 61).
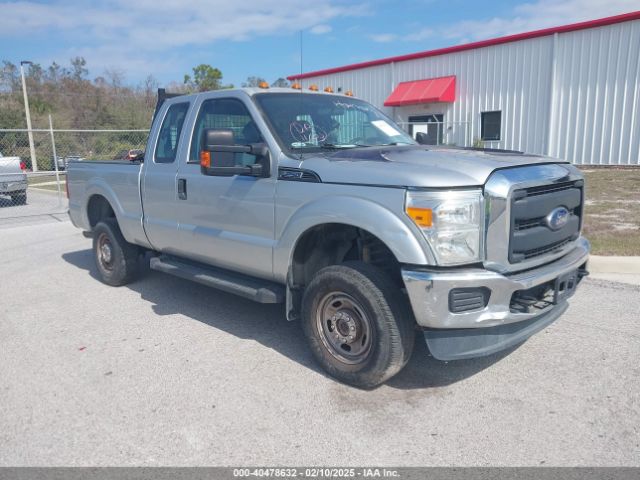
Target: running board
(261, 291)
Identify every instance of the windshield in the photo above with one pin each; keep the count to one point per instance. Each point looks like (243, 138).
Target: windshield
(310, 122)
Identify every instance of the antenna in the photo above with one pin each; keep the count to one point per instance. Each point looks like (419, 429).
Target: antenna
(301, 53)
(301, 92)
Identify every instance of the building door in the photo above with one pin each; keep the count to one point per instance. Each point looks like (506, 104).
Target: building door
(431, 125)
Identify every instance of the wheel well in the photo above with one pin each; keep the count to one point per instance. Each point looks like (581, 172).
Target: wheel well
(334, 243)
(98, 209)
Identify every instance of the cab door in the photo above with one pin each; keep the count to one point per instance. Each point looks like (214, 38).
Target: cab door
(227, 221)
(159, 188)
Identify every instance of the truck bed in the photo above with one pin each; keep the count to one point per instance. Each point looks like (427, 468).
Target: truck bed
(119, 182)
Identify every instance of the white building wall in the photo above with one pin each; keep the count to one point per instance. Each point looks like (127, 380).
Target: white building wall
(587, 111)
(597, 96)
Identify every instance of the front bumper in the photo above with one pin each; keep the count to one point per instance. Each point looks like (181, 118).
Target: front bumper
(429, 292)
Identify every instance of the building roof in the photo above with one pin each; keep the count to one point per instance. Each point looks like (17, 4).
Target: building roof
(601, 22)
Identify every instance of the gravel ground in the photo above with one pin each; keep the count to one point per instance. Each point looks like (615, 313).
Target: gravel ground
(166, 372)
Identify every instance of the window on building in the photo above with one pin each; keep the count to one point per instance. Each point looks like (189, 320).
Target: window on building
(167, 145)
(490, 125)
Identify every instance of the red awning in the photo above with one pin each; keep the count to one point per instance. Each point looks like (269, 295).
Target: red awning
(442, 89)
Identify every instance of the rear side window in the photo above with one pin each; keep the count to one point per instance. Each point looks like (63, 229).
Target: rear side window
(226, 113)
(170, 131)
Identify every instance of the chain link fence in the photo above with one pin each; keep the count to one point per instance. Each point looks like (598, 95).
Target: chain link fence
(33, 164)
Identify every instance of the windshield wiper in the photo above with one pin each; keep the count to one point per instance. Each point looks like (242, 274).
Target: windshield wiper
(333, 146)
(390, 144)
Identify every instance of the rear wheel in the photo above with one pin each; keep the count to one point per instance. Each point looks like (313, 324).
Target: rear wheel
(358, 324)
(19, 198)
(116, 259)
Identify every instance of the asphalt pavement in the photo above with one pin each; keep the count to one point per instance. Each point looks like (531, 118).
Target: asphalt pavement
(167, 372)
(42, 206)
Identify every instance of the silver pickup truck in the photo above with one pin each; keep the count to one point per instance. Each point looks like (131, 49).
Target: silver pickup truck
(321, 202)
(13, 179)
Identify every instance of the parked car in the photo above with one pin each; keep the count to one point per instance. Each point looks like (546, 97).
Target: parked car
(64, 161)
(13, 179)
(130, 155)
(321, 202)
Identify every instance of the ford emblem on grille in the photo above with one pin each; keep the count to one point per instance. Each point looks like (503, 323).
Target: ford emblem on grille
(558, 218)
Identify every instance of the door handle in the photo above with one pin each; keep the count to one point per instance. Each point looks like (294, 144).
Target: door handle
(182, 189)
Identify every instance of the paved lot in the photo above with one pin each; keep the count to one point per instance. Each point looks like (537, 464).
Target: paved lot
(166, 372)
(42, 206)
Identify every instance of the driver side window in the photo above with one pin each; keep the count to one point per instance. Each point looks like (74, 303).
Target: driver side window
(226, 113)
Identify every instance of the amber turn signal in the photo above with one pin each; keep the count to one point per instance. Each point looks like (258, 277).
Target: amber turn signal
(423, 217)
(205, 159)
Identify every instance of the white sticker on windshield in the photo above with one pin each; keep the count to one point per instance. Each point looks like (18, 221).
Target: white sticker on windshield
(384, 127)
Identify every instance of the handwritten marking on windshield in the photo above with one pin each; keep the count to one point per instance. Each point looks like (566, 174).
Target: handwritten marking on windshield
(304, 132)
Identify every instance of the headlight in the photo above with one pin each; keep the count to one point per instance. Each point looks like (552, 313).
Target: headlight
(451, 222)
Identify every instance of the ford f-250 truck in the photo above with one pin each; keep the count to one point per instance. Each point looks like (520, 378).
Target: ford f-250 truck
(321, 202)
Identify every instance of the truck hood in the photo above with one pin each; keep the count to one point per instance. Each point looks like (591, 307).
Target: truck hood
(415, 165)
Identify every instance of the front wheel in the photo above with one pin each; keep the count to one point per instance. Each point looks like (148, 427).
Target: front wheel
(357, 323)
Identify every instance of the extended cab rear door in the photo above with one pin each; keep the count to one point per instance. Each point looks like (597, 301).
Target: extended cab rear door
(227, 221)
(159, 187)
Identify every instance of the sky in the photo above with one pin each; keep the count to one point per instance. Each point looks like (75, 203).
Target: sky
(168, 38)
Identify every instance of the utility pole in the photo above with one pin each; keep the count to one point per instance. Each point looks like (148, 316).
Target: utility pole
(32, 149)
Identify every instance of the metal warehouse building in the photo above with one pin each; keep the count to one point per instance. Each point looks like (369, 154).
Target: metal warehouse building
(571, 91)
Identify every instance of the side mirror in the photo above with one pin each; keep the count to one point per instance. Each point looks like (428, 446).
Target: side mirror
(217, 155)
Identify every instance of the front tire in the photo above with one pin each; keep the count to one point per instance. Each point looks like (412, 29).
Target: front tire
(116, 259)
(357, 323)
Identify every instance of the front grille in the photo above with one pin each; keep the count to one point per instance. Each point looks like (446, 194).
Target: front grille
(531, 235)
(554, 247)
(544, 189)
(524, 224)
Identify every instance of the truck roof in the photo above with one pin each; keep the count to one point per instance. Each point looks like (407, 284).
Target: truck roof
(251, 91)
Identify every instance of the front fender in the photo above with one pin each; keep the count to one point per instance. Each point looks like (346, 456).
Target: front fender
(405, 242)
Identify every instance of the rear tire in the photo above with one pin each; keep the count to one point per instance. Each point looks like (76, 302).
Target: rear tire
(19, 198)
(358, 324)
(116, 259)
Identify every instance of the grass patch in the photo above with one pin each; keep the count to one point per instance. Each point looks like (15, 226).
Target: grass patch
(53, 188)
(612, 211)
(36, 179)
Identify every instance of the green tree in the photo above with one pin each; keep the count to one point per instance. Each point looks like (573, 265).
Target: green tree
(79, 70)
(205, 77)
(253, 82)
(281, 82)
(9, 76)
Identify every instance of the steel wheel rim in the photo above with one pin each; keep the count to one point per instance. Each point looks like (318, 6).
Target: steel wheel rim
(105, 252)
(344, 328)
